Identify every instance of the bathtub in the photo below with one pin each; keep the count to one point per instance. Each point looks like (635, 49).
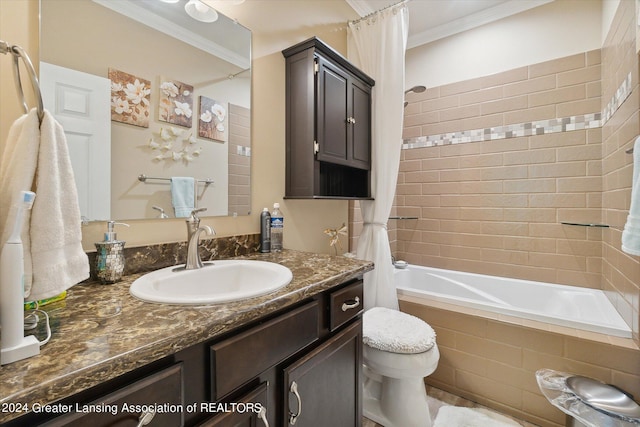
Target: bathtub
(569, 306)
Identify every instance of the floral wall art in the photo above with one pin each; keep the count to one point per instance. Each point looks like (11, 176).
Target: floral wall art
(174, 144)
(176, 102)
(212, 120)
(129, 98)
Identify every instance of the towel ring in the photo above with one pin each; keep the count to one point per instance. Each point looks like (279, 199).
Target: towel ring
(18, 52)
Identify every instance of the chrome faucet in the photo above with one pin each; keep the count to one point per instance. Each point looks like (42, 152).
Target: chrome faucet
(193, 253)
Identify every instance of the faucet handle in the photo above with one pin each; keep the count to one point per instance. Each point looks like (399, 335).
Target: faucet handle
(194, 213)
(193, 222)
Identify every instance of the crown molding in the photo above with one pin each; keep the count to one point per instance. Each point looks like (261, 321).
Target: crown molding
(469, 22)
(362, 7)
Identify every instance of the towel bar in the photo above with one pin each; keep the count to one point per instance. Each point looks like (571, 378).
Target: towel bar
(17, 52)
(580, 224)
(143, 178)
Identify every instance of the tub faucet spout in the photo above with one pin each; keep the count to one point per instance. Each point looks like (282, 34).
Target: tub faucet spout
(193, 253)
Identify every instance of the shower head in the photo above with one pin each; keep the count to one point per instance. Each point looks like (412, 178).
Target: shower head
(416, 89)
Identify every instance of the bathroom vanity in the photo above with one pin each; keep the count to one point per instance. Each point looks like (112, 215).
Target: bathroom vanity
(292, 357)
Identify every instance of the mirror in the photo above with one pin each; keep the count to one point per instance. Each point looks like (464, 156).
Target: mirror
(146, 93)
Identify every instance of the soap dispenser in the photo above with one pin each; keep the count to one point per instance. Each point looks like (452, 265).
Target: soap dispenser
(110, 256)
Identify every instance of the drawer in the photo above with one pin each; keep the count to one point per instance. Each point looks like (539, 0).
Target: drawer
(253, 410)
(242, 357)
(345, 304)
(162, 389)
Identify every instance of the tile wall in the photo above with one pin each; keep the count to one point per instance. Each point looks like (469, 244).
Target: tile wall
(512, 156)
(239, 160)
(492, 359)
(620, 271)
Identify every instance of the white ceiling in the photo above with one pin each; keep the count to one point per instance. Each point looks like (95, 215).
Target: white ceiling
(276, 23)
(431, 20)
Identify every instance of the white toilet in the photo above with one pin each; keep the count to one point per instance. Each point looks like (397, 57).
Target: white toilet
(399, 351)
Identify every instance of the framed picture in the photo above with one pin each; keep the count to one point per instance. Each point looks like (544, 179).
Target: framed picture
(176, 102)
(213, 119)
(129, 98)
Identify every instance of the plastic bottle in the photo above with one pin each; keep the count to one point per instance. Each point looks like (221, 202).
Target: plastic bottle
(265, 231)
(277, 228)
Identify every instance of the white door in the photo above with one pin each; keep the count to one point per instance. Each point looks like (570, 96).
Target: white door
(80, 102)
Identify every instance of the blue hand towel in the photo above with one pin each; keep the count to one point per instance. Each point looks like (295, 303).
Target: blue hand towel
(631, 232)
(183, 195)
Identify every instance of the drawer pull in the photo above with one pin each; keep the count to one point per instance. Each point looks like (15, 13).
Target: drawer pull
(349, 305)
(262, 414)
(146, 417)
(294, 417)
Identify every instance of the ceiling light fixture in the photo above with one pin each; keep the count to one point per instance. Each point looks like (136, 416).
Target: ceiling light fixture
(200, 11)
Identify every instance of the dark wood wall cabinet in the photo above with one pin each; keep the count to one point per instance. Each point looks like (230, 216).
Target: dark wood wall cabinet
(300, 367)
(328, 133)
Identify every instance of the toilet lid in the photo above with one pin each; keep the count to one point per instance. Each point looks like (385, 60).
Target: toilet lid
(396, 332)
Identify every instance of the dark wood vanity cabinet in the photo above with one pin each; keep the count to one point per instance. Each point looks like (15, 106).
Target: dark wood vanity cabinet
(328, 129)
(311, 346)
(245, 377)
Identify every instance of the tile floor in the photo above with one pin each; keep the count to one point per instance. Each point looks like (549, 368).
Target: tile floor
(450, 399)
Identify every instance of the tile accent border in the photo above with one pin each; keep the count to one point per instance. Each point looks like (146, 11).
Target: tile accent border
(540, 127)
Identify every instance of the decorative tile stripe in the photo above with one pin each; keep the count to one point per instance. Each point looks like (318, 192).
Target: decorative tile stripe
(618, 98)
(540, 127)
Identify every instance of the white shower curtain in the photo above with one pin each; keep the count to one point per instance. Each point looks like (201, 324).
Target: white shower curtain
(377, 46)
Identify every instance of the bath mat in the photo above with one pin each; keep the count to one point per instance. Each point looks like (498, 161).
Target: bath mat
(456, 416)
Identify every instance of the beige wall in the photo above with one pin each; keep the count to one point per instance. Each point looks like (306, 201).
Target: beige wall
(18, 26)
(529, 37)
(620, 271)
(305, 220)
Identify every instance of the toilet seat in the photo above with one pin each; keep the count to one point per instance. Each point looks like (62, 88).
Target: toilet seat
(396, 332)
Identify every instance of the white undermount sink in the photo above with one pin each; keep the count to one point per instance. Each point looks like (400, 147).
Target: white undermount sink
(217, 281)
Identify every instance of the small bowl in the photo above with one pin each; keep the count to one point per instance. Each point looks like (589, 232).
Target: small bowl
(401, 264)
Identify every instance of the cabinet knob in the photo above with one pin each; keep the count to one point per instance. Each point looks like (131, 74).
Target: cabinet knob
(294, 417)
(351, 120)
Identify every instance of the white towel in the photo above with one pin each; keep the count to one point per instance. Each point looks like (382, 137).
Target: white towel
(37, 159)
(631, 232)
(183, 195)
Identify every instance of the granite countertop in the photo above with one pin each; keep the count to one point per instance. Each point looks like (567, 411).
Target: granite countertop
(101, 331)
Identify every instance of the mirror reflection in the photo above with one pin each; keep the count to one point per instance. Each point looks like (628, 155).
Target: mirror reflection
(156, 105)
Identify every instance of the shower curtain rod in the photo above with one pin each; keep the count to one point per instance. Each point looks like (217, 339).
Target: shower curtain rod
(17, 52)
(364, 18)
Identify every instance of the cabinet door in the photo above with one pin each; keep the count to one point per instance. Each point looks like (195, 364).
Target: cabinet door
(332, 112)
(323, 388)
(251, 411)
(360, 125)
